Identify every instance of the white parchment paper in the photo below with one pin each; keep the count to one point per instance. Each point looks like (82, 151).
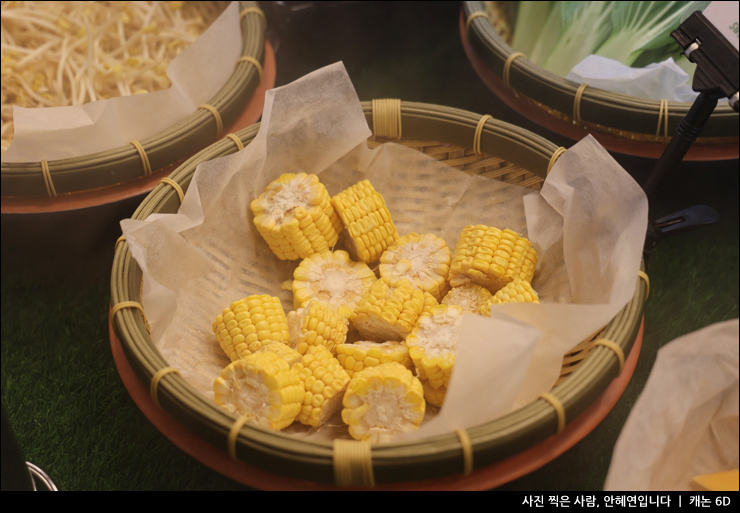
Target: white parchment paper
(685, 422)
(197, 74)
(658, 81)
(588, 225)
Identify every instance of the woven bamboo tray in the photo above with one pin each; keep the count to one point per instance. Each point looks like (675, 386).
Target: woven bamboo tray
(474, 144)
(158, 154)
(620, 122)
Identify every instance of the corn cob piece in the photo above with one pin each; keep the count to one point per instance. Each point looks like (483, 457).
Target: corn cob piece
(518, 291)
(434, 396)
(324, 381)
(382, 402)
(388, 311)
(317, 324)
(250, 323)
(369, 225)
(284, 351)
(470, 297)
(332, 278)
(433, 342)
(364, 353)
(491, 258)
(422, 259)
(429, 303)
(295, 217)
(262, 387)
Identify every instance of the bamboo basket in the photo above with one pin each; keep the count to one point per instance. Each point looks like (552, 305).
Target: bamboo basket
(505, 152)
(622, 123)
(165, 149)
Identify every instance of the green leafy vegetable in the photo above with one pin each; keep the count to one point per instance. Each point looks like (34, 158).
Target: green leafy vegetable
(532, 17)
(584, 27)
(640, 26)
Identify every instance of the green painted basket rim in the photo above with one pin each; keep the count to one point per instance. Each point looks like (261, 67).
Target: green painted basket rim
(430, 458)
(598, 106)
(165, 148)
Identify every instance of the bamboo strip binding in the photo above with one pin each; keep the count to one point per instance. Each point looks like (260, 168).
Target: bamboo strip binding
(643, 275)
(255, 10)
(387, 118)
(50, 190)
(233, 434)
(478, 132)
(253, 61)
(144, 159)
(353, 463)
(467, 449)
(507, 69)
(555, 156)
(557, 406)
(577, 103)
(662, 118)
(155, 383)
(615, 348)
(174, 185)
(474, 16)
(236, 140)
(216, 116)
(125, 304)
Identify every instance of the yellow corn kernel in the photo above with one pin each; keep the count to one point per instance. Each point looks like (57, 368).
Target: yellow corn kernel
(470, 297)
(250, 323)
(433, 342)
(434, 396)
(317, 324)
(368, 222)
(422, 259)
(261, 387)
(388, 311)
(284, 351)
(518, 291)
(491, 258)
(364, 353)
(382, 402)
(331, 278)
(324, 381)
(295, 217)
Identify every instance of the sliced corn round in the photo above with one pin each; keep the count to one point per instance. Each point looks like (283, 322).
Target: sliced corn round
(370, 229)
(261, 387)
(470, 297)
(423, 259)
(295, 217)
(433, 342)
(284, 351)
(250, 323)
(434, 396)
(388, 310)
(317, 324)
(332, 278)
(382, 402)
(518, 291)
(364, 353)
(491, 258)
(324, 381)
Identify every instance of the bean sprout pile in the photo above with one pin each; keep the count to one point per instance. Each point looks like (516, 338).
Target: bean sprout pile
(69, 53)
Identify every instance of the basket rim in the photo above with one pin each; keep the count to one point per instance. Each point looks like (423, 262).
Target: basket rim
(491, 41)
(196, 131)
(290, 455)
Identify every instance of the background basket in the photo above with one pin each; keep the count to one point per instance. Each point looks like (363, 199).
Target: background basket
(471, 143)
(163, 150)
(622, 123)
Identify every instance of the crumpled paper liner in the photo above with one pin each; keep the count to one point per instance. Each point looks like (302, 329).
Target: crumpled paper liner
(685, 423)
(197, 75)
(588, 225)
(658, 81)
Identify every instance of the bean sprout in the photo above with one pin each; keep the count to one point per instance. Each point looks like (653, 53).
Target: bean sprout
(56, 54)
